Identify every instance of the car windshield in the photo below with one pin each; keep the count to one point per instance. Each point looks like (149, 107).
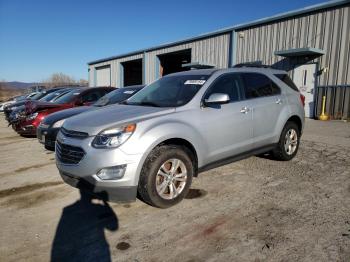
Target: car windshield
(116, 96)
(169, 91)
(37, 96)
(48, 97)
(19, 98)
(68, 97)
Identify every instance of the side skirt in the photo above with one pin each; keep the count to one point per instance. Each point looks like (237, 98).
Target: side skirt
(235, 158)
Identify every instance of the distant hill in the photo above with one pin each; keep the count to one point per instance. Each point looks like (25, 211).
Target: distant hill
(18, 85)
(14, 88)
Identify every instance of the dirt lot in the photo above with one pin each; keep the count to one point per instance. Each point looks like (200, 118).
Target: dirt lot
(257, 209)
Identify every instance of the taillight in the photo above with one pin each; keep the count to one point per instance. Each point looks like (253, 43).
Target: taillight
(302, 99)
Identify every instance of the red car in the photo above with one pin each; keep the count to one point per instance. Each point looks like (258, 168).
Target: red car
(36, 111)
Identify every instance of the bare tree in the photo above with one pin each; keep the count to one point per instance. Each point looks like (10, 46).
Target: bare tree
(83, 82)
(60, 79)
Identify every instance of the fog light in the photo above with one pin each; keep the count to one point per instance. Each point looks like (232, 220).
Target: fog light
(112, 173)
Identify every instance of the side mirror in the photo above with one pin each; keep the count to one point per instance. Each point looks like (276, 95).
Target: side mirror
(217, 99)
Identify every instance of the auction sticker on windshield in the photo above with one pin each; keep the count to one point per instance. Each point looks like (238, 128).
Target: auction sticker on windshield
(194, 82)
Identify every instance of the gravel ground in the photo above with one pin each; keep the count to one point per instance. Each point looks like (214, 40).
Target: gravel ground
(256, 209)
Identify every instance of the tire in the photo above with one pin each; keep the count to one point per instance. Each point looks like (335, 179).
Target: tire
(50, 148)
(281, 152)
(157, 180)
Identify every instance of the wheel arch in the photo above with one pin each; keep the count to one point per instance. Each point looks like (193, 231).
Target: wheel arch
(296, 119)
(188, 146)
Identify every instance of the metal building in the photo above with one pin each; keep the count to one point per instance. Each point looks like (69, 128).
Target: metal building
(312, 44)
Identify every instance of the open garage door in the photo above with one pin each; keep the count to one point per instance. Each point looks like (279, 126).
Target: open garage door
(103, 76)
(172, 62)
(132, 72)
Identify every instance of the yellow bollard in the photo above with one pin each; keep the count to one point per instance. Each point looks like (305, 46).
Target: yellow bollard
(323, 116)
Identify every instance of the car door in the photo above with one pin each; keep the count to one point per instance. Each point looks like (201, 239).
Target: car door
(227, 127)
(266, 104)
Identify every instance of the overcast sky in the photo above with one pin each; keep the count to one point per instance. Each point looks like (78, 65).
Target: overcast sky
(40, 37)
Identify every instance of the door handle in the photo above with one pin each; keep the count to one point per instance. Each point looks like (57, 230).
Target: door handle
(245, 110)
(278, 101)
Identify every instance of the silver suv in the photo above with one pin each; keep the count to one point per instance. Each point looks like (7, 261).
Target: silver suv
(163, 136)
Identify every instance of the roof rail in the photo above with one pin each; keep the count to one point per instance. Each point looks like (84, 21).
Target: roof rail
(251, 65)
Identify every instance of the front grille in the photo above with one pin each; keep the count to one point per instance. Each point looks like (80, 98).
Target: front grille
(74, 134)
(69, 154)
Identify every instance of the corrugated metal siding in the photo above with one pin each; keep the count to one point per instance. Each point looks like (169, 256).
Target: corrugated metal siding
(213, 50)
(91, 76)
(103, 76)
(337, 101)
(327, 29)
(115, 69)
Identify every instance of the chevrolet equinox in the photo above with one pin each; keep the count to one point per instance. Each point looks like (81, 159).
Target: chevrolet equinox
(153, 144)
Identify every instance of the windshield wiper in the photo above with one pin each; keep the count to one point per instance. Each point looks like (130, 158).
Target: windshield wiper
(147, 103)
(144, 103)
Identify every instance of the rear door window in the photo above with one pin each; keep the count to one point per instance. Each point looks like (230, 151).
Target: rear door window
(259, 85)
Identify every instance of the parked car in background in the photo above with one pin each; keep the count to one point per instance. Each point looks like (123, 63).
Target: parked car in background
(36, 111)
(33, 96)
(177, 126)
(19, 112)
(14, 100)
(49, 127)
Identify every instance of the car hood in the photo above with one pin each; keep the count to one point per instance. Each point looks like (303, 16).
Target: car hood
(54, 117)
(93, 122)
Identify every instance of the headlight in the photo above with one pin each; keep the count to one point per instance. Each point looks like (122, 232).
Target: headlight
(32, 116)
(113, 137)
(59, 123)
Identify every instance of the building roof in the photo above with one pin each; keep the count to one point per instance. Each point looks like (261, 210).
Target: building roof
(230, 29)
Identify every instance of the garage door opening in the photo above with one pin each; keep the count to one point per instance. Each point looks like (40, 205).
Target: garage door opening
(132, 72)
(172, 62)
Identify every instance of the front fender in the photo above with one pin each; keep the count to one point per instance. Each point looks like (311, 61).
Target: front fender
(155, 134)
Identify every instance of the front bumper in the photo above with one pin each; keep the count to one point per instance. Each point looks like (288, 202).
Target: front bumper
(106, 192)
(27, 130)
(84, 174)
(47, 136)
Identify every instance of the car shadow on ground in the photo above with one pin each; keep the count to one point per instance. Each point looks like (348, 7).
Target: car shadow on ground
(80, 232)
(268, 156)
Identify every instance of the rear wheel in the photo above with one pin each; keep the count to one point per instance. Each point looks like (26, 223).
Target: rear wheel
(288, 144)
(166, 176)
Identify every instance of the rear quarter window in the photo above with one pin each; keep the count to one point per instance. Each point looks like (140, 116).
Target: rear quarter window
(259, 85)
(286, 79)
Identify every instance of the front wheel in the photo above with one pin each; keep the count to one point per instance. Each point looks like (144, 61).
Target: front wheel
(288, 144)
(166, 176)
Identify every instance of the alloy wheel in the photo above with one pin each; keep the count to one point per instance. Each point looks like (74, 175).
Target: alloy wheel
(291, 141)
(171, 179)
